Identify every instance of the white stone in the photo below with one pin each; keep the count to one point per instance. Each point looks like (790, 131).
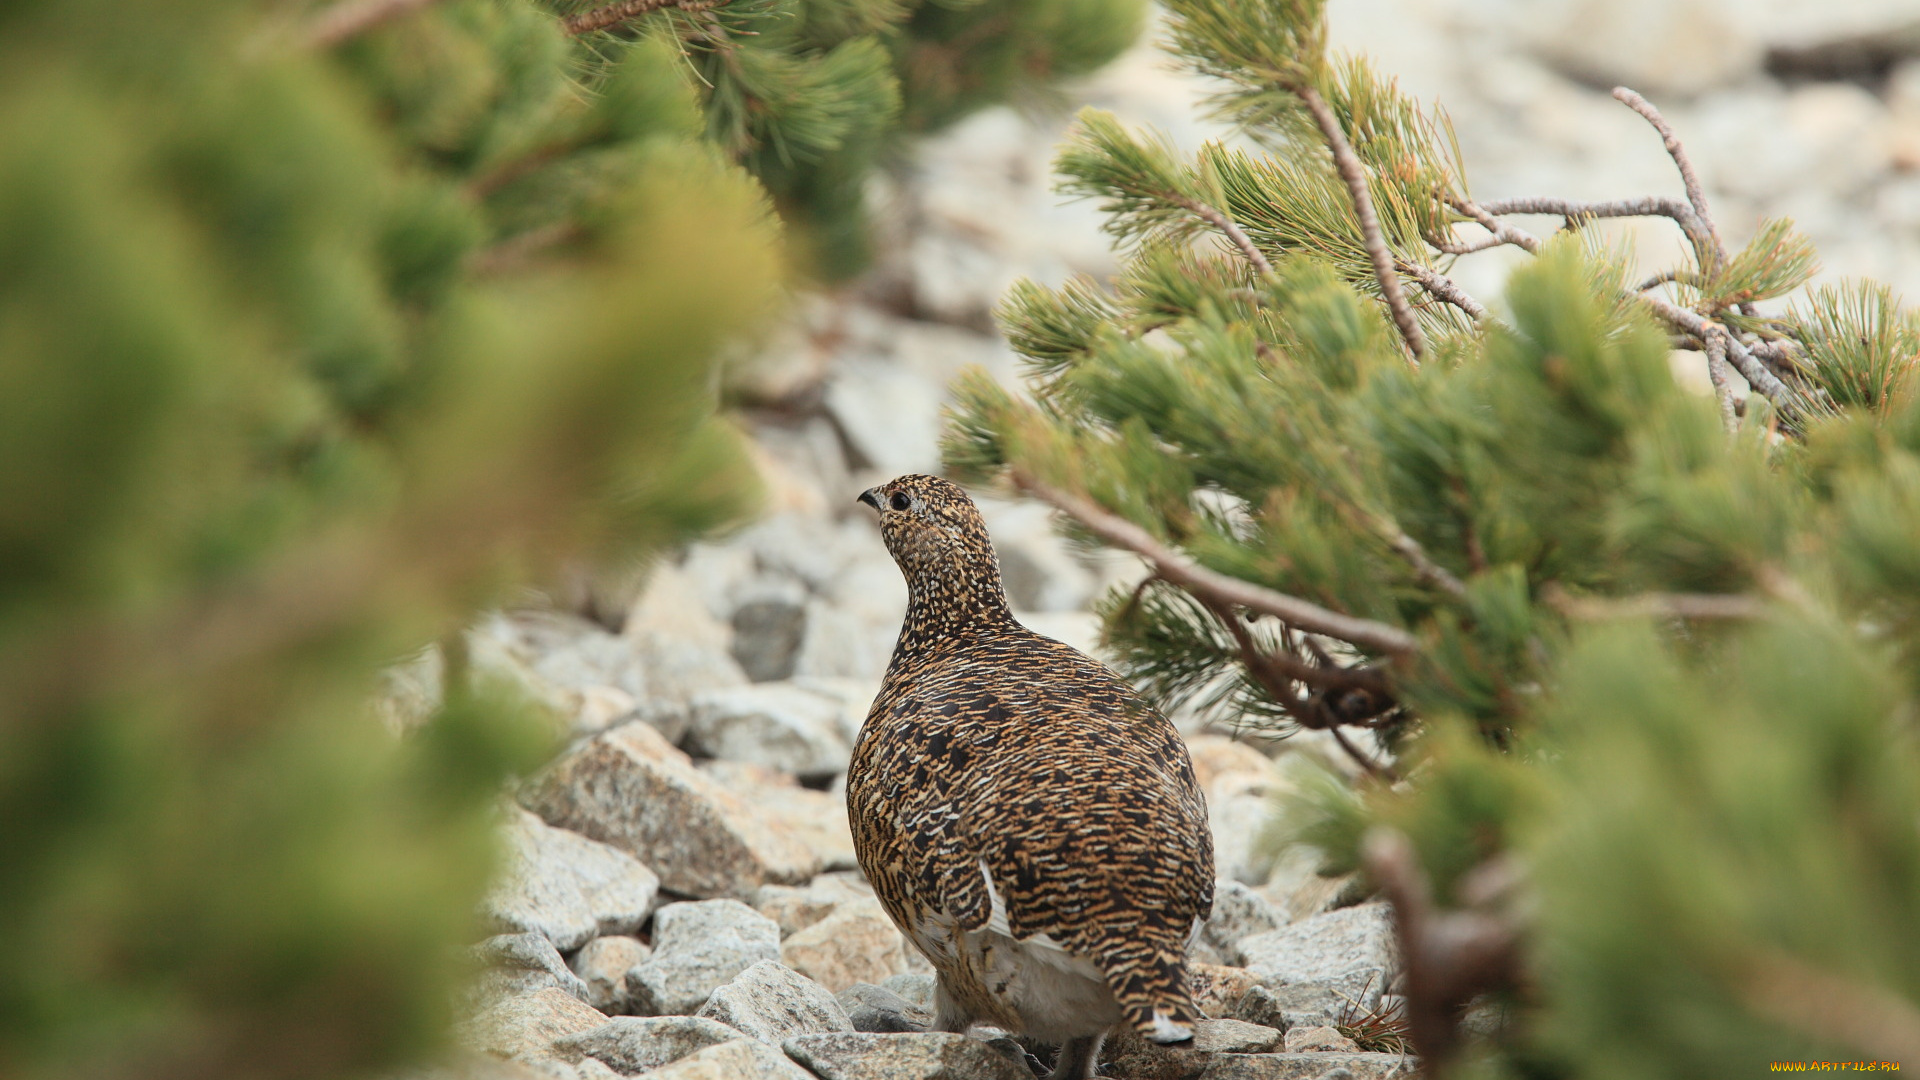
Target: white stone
(698, 947)
(781, 726)
(566, 886)
(771, 1002)
(603, 964)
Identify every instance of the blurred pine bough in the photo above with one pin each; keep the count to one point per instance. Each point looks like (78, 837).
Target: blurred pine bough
(1645, 665)
(322, 325)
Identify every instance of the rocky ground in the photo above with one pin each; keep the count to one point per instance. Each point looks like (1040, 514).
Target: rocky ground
(684, 901)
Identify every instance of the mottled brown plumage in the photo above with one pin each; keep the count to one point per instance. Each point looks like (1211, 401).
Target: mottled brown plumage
(1030, 822)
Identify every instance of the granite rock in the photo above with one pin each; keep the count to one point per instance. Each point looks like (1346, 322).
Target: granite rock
(525, 1025)
(627, 787)
(518, 963)
(1319, 1039)
(797, 907)
(603, 964)
(779, 725)
(930, 1056)
(566, 886)
(1238, 914)
(697, 948)
(771, 1002)
(635, 1044)
(855, 944)
(879, 1010)
(741, 1059)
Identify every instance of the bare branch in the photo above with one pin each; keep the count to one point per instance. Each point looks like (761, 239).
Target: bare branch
(1502, 231)
(1646, 206)
(1184, 572)
(1750, 367)
(1355, 174)
(351, 18)
(1664, 277)
(1722, 375)
(1443, 287)
(613, 14)
(1234, 233)
(1449, 956)
(1375, 768)
(1696, 194)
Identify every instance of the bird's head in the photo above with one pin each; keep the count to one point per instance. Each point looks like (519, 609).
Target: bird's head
(936, 534)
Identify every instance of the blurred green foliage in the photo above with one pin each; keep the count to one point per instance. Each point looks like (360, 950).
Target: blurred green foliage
(285, 393)
(1669, 670)
(814, 95)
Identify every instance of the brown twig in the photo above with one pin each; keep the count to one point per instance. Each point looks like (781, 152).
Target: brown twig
(516, 251)
(1722, 375)
(1184, 572)
(613, 14)
(1234, 233)
(1355, 174)
(1449, 956)
(1502, 231)
(1750, 367)
(1442, 287)
(1646, 206)
(350, 18)
(1276, 671)
(1430, 572)
(1696, 194)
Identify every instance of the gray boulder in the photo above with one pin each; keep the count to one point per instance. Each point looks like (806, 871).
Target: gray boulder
(879, 1010)
(741, 1059)
(1238, 914)
(697, 948)
(1317, 966)
(635, 1044)
(603, 964)
(774, 724)
(930, 1056)
(797, 907)
(916, 987)
(566, 886)
(1307, 1067)
(519, 963)
(627, 787)
(524, 1026)
(772, 1002)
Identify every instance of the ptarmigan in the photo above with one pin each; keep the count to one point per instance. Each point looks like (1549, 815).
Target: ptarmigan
(1030, 822)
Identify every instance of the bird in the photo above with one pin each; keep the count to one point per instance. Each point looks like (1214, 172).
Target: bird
(1029, 821)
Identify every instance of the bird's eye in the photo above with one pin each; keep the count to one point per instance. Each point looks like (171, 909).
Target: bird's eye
(899, 501)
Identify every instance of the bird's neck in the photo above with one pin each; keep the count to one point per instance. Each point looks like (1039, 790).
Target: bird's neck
(958, 600)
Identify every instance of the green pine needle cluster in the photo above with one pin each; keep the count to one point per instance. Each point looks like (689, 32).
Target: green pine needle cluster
(300, 369)
(1664, 649)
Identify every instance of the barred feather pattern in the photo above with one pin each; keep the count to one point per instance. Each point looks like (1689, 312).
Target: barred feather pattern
(1004, 775)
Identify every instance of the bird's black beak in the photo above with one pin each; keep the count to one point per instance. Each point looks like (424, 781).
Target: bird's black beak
(871, 497)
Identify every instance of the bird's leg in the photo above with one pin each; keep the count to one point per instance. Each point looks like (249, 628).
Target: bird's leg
(1077, 1058)
(948, 1014)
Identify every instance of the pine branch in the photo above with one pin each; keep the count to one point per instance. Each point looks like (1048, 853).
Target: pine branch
(613, 14)
(1750, 367)
(1234, 233)
(1503, 232)
(1355, 174)
(1696, 194)
(1430, 572)
(1646, 206)
(1445, 288)
(1277, 671)
(1722, 375)
(1212, 585)
(1449, 956)
(351, 18)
